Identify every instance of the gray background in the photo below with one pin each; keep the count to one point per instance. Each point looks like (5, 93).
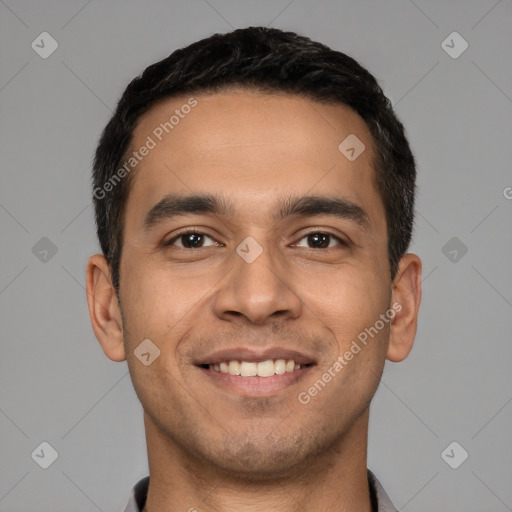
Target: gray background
(57, 386)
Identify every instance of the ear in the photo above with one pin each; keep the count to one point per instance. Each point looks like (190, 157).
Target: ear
(104, 308)
(405, 301)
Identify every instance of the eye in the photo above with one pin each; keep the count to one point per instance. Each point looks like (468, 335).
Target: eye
(320, 240)
(190, 240)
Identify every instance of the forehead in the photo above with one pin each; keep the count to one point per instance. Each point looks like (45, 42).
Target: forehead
(250, 146)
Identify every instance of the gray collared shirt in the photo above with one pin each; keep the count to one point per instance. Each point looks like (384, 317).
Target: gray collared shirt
(379, 496)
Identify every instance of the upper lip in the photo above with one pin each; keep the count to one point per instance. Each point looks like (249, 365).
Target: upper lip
(255, 355)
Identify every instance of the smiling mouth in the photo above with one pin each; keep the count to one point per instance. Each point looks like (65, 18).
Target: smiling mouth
(267, 368)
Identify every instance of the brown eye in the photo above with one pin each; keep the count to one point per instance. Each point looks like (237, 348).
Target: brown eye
(320, 240)
(190, 240)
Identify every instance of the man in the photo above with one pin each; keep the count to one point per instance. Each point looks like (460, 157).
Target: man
(254, 198)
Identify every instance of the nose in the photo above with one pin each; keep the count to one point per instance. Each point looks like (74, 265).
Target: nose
(257, 292)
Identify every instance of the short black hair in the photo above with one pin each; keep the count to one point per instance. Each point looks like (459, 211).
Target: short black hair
(271, 61)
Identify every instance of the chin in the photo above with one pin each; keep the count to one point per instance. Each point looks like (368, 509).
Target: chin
(264, 457)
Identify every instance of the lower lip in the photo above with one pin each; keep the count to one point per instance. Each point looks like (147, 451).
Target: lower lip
(256, 386)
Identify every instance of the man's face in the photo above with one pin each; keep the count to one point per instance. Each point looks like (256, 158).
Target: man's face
(321, 279)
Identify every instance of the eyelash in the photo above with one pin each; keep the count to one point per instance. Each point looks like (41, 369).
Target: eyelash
(170, 242)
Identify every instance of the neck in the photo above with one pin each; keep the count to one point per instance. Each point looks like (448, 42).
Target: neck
(331, 481)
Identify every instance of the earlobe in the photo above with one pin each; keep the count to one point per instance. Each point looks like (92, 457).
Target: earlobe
(406, 298)
(104, 309)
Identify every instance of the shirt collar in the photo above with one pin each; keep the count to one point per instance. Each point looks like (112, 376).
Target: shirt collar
(139, 495)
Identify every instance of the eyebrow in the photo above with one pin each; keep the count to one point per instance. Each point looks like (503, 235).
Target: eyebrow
(171, 206)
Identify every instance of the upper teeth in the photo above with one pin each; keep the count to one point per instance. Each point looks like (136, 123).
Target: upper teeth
(250, 369)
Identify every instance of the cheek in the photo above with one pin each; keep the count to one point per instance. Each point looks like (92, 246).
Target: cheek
(346, 301)
(352, 313)
(155, 299)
